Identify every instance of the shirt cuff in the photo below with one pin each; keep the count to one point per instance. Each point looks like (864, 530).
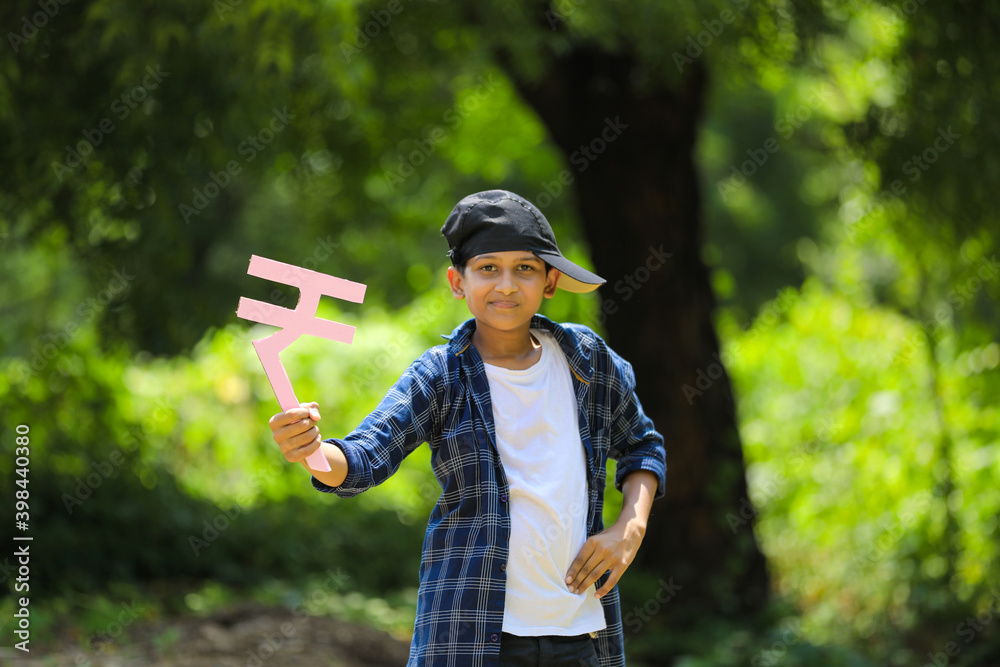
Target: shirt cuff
(355, 481)
(652, 462)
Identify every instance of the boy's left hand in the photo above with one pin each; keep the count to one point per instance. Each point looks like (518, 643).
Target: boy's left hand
(612, 549)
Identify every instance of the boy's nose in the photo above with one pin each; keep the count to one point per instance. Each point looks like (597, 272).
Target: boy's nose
(506, 284)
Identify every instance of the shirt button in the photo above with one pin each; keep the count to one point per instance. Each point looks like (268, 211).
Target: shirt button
(494, 637)
(503, 497)
(503, 567)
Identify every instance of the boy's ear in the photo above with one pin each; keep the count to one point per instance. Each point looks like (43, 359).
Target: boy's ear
(455, 280)
(551, 282)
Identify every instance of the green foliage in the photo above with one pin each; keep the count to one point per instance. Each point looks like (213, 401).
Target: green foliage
(843, 426)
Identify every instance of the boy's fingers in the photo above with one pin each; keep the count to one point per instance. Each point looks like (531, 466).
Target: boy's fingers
(304, 438)
(288, 417)
(302, 445)
(578, 562)
(313, 409)
(307, 449)
(585, 576)
(293, 438)
(295, 431)
(293, 428)
(610, 583)
(586, 562)
(594, 570)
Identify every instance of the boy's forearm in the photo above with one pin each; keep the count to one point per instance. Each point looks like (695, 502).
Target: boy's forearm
(638, 491)
(614, 548)
(338, 465)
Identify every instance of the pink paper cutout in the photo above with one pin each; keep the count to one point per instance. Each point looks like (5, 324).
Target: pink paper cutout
(312, 285)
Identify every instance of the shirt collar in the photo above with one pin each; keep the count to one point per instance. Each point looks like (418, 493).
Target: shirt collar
(577, 355)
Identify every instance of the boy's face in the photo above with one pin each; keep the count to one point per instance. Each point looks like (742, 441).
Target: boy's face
(503, 289)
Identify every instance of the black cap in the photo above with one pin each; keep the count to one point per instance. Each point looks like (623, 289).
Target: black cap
(498, 220)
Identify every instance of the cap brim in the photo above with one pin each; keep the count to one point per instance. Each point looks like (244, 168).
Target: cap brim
(574, 278)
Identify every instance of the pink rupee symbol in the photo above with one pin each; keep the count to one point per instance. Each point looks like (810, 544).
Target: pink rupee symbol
(312, 285)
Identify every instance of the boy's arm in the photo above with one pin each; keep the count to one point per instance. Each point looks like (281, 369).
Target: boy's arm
(614, 549)
(371, 453)
(640, 475)
(338, 465)
(635, 443)
(406, 417)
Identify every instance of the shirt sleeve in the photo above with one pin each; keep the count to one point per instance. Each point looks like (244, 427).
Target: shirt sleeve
(403, 420)
(635, 442)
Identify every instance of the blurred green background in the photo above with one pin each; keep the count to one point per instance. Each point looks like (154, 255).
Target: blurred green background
(821, 351)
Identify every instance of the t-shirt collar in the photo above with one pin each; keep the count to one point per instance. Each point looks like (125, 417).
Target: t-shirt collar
(578, 357)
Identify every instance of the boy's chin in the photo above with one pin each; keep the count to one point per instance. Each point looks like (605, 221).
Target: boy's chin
(516, 319)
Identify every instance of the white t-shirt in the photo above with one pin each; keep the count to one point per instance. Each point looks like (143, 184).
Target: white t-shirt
(538, 435)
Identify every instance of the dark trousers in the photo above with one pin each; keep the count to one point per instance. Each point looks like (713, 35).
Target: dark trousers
(548, 651)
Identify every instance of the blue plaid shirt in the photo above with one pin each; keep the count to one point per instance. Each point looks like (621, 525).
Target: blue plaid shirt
(443, 399)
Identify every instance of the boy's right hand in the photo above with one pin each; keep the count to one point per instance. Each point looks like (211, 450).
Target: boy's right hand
(295, 431)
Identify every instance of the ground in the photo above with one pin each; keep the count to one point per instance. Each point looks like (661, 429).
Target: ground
(246, 635)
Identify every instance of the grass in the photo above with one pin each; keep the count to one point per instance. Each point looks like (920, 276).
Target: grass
(110, 617)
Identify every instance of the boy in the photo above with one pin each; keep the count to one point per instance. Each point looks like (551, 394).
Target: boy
(521, 415)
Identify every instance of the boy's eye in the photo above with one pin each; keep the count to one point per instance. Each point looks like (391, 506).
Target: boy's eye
(492, 268)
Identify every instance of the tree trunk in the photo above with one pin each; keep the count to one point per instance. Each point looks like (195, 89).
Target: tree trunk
(630, 154)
